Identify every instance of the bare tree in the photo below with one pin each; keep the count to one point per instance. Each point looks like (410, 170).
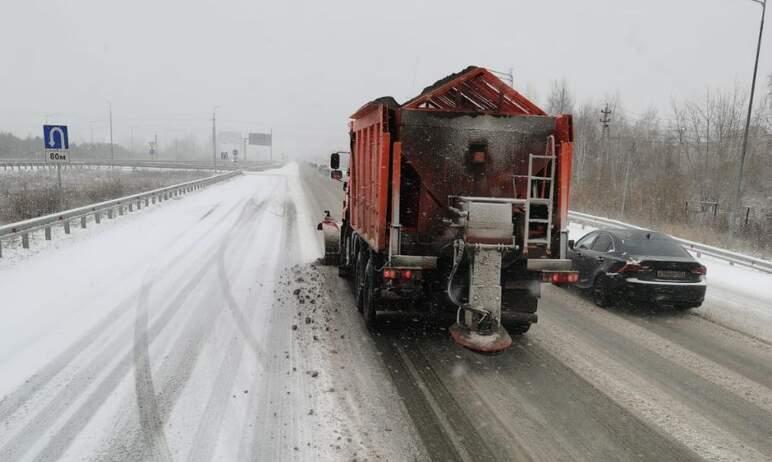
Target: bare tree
(560, 100)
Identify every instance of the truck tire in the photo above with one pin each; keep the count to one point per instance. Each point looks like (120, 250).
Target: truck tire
(369, 299)
(344, 264)
(520, 301)
(359, 277)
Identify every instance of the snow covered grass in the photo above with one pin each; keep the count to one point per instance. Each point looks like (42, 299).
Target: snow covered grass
(737, 297)
(32, 193)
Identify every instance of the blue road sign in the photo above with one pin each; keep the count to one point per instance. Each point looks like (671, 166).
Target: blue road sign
(55, 137)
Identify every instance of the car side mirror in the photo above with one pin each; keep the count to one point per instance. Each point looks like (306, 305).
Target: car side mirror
(571, 244)
(335, 161)
(336, 175)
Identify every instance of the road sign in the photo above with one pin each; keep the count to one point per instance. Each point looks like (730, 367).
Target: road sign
(260, 139)
(55, 137)
(56, 143)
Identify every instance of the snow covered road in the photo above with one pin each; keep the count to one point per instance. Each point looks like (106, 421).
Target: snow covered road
(202, 330)
(176, 334)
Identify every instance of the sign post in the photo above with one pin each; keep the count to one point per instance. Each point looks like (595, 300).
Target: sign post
(56, 144)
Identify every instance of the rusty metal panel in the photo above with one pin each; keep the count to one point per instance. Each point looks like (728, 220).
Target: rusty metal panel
(440, 147)
(565, 136)
(369, 191)
(383, 190)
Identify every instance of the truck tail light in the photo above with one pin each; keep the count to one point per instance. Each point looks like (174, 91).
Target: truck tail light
(404, 274)
(701, 270)
(560, 277)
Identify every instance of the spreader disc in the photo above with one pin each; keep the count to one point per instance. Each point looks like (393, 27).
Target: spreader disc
(497, 341)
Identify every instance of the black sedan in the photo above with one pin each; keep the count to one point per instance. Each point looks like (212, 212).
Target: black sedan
(637, 266)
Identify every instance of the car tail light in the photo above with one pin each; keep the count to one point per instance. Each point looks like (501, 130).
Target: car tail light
(407, 274)
(560, 277)
(390, 274)
(631, 268)
(701, 270)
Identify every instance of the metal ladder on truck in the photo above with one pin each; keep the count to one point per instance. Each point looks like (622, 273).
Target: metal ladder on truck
(542, 194)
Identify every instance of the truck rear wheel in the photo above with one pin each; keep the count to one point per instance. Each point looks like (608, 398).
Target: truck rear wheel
(369, 299)
(359, 278)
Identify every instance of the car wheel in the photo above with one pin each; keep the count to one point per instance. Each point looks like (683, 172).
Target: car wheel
(684, 306)
(369, 301)
(600, 292)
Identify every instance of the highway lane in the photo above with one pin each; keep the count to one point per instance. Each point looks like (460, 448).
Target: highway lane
(585, 383)
(176, 334)
(203, 330)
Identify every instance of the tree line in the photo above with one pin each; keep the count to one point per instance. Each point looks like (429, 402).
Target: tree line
(676, 170)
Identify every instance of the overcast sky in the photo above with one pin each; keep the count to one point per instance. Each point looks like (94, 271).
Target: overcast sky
(302, 67)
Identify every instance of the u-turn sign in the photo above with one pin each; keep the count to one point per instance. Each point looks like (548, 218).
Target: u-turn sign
(55, 137)
(56, 143)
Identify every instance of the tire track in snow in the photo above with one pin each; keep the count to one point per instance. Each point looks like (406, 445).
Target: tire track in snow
(150, 420)
(22, 442)
(257, 441)
(12, 402)
(637, 391)
(80, 418)
(210, 425)
(176, 369)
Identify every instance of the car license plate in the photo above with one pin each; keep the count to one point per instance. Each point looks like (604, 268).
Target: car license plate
(671, 274)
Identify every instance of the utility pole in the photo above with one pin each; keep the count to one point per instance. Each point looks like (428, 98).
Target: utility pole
(738, 194)
(605, 120)
(214, 138)
(112, 151)
(270, 148)
(604, 169)
(245, 148)
(155, 143)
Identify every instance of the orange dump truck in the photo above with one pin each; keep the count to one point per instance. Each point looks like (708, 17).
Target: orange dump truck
(457, 198)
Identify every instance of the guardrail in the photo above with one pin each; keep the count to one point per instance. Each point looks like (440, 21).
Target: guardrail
(109, 208)
(733, 258)
(187, 165)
